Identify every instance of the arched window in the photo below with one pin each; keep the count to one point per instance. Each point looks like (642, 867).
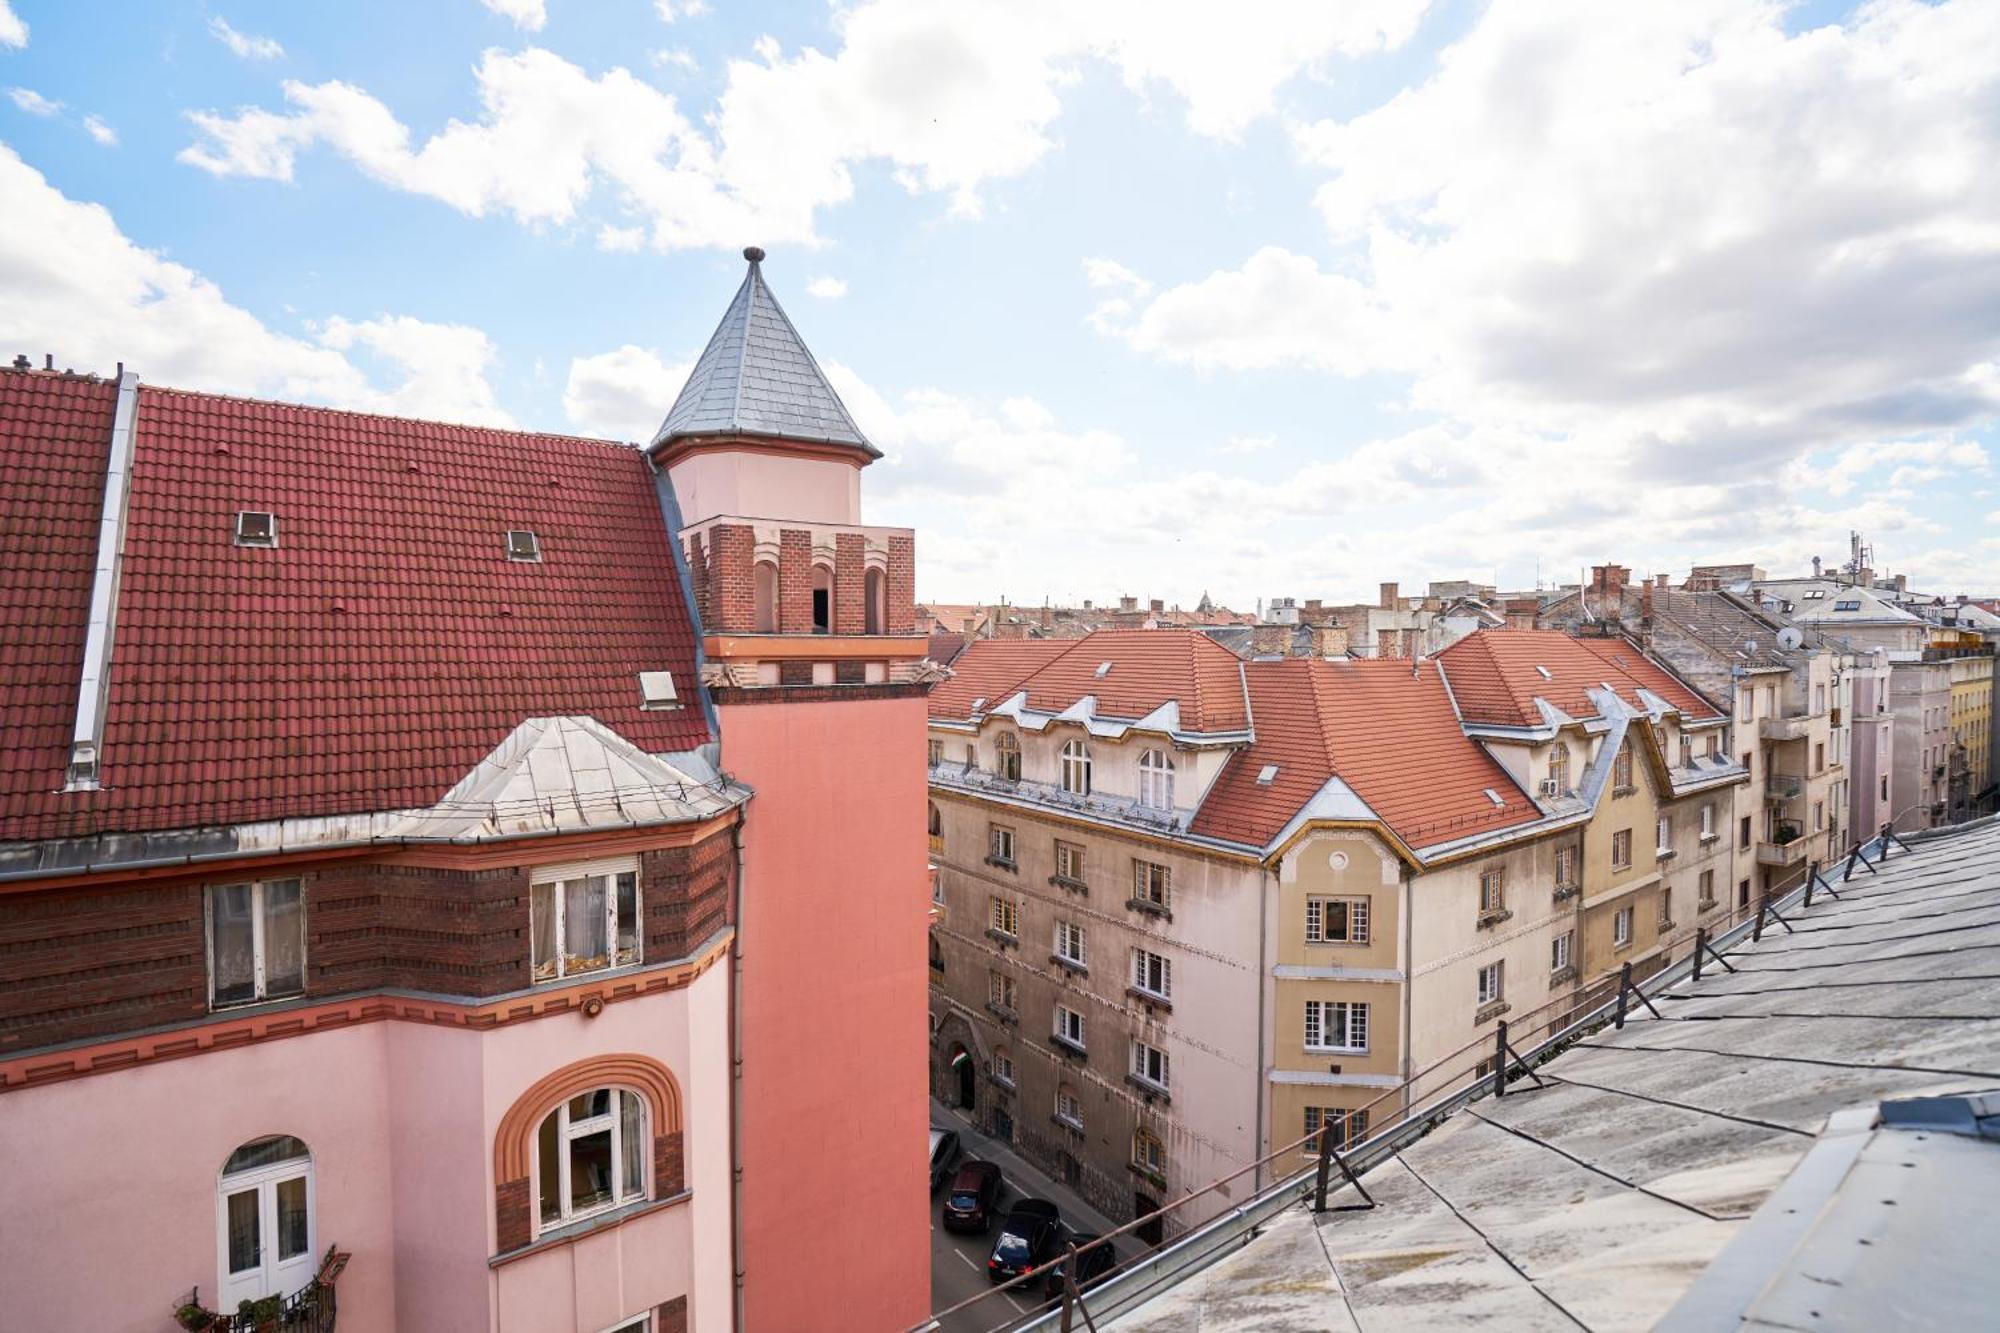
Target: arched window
(765, 581)
(1156, 780)
(1076, 768)
(1008, 747)
(936, 828)
(875, 586)
(265, 1220)
(1559, 766)
(590, 1155)
(822, 600)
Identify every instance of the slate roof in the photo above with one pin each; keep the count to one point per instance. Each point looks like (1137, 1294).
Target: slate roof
(1493, 676)
(1752, 1158)
(1385, 729)
(1725, 625)
(756, 377)
(369, 661)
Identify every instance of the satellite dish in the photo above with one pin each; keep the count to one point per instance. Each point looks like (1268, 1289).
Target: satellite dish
(1789, 637)
(1749, 647)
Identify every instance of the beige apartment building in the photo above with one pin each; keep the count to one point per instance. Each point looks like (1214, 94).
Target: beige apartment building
(1191, 907)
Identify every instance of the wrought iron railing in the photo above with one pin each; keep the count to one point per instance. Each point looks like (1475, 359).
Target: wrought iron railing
(311, 1309)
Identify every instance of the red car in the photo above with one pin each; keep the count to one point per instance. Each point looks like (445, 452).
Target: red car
(969, 1205)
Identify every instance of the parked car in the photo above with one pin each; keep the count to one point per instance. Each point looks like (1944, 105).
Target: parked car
(944, 1151)
(1028, 1236)
(974, 1196)
(1091, 1265)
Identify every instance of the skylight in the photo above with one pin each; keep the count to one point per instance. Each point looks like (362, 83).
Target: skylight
(1494, 797)
(523, 545)
(1103, 669)
(256, 528)
(1546, 673)
(1267, 775)
(656, 690)
(1847, 606)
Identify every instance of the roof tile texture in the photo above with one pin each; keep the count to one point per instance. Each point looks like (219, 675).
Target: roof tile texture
(1494, 676)
(1148, 668)
(378, 652)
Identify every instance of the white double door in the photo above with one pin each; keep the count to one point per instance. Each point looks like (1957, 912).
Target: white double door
(265, 1223)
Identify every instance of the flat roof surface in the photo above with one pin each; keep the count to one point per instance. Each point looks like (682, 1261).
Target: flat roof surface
(1601, 1200)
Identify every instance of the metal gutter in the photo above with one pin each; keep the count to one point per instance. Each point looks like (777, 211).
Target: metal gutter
(93, 693)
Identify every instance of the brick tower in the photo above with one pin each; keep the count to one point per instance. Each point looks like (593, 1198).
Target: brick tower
(818, 677)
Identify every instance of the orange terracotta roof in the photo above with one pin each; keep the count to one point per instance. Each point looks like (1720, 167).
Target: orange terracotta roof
(1494, 676)
(991, 669)
(1148, 669)
(1384, 729)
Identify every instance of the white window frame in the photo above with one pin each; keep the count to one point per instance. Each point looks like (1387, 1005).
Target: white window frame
(1566, 867)
(1156, 780)
(1000, 990)
(1069, 1106)
(1621, 770)
(1069, 861)
(1493, 889)
(637, 1324)
(1065, 1019)
(1149, 1151)
(1707, 820)
(1623, 836)
(567, 1132)
(1070, 943)
(1150, 1064)
(558, 877)
(1664, 828)
(1148, 967)
(1352, 1127)
(1151, 889)
(1621, 927)
(1559, 766)
(1000, 843)
(1004, 915)
(1003, 1065)
(1562, 951)
(1007, 756)
(291, 1274)
(1359, 911)
(1492, 984)
(1076, 767)
(259, 945)
(1350, 1017)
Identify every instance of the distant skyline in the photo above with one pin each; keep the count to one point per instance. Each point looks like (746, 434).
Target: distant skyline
(1284, 300)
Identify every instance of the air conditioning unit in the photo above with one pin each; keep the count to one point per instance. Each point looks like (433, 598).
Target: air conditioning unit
(1548, 786)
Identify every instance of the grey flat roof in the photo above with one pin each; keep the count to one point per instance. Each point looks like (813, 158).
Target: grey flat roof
(1604, 1199)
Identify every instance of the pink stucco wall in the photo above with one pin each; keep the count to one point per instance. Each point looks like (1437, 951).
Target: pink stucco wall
(833, 999)
(121, 1169)
(756, 485)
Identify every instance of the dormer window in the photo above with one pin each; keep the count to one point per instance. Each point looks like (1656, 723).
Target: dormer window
(1156, 780)
(1007, 751)
(254, 527)
(524, 546)
(1559, 767)
(1076, 768)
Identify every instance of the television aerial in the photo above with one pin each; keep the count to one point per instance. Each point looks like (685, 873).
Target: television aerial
(1790, 637)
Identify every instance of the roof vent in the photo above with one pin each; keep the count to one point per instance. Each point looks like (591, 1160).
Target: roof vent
(1267, 775)
(256, 528)
(1494, 797)
(82, 767)
(1103, 670)
(523, 545)
(1546, 673)
(979, 703)
(656, 690)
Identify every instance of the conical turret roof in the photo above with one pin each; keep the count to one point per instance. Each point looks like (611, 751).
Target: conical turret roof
(756, 377)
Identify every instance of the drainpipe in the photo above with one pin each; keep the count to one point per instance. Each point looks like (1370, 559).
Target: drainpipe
(1409, 969)
(1265, 983)
(736, 1073)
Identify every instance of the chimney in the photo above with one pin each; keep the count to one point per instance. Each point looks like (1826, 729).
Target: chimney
(1156, 606)
(1659, 580)
(1815, 566)
(1646, 600)
(1128, 604)
(1086, 604)
(1313, 610)
(1388, 598)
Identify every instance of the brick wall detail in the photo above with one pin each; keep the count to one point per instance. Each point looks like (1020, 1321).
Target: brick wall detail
(795, 581)
(850, 583)
(732, 579)
(900, 590)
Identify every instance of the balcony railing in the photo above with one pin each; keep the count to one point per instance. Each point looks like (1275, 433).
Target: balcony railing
(310, 1309)
(1784, 786)
(1787, 847)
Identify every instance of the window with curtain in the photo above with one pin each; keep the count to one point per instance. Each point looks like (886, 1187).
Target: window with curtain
(256, 941)
(584, 919)
(590, 1155)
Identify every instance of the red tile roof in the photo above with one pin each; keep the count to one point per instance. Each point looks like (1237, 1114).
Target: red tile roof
(370, 660)
(1148, 669)
(1384, 729)
(1494, 678)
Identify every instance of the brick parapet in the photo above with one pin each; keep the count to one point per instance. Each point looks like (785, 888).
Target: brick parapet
(850, 583)
(900, 590)
(795, 581)
(732, 579)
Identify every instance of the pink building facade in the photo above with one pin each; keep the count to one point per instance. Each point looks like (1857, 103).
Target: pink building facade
(408, 898)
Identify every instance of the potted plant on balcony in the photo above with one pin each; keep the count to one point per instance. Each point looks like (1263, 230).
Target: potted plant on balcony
(195, 1316)
(261, 1314)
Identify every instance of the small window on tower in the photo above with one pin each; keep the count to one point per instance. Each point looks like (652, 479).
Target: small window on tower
(256, 528)
(523, 545)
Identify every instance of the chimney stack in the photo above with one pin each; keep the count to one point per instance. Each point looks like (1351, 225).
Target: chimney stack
(1388, 598)
(1815, 566)
(1156, 606)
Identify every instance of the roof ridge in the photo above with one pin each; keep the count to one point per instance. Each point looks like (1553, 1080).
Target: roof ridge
(145, 387)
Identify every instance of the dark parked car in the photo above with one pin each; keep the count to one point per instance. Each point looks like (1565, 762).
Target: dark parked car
(974, 1195)
(1091, 1265)
(1028, 1236)
(944, 1151)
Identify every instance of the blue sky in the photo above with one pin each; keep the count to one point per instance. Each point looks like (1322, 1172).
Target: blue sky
(1136, 298)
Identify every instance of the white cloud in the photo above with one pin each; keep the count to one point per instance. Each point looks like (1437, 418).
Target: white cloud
(669, 10)
(949, 98)
(100, 131)
(73, 284)
(827, 288)
(676, 57)
(529, 15)
(13, 32)
(1248, 444)
(622, 394)
(621, 240)
(33, 102)
(244, 44)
